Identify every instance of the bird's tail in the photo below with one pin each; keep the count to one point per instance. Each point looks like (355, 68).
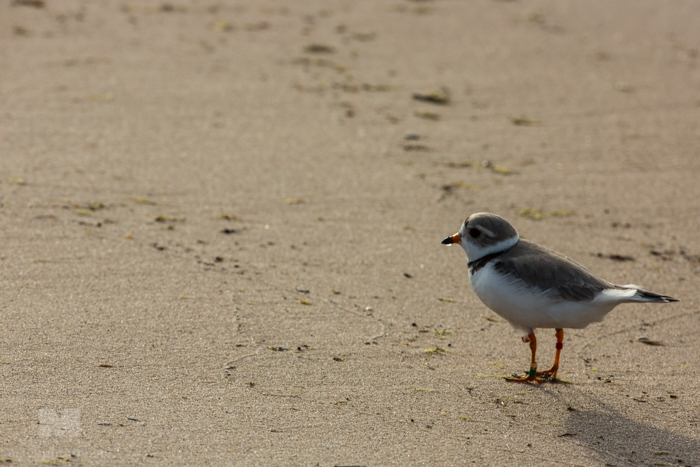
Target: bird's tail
(642, 295)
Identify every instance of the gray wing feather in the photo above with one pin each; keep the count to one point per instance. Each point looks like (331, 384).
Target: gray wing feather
(540, 268)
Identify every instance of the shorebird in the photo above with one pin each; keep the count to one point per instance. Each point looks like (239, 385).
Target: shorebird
(532, 287)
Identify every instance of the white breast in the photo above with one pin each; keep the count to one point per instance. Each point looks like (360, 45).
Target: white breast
(528, 308)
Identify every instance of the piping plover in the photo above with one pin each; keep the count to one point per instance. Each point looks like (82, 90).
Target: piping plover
(533, 287)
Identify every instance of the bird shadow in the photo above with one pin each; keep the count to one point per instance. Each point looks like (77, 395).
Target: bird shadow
(618, 440)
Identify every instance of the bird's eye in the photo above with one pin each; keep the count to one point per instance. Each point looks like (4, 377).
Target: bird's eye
(475, 233)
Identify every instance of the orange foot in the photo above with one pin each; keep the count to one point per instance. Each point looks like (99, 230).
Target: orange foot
(549, 375)
(527, 379)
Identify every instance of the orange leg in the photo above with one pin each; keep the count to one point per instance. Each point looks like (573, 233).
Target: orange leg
(551, 374)
(532, 374)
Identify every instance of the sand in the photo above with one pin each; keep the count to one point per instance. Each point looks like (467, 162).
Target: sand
(221, 224)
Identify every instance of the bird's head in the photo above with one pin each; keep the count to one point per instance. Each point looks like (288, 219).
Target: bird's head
(484, 233)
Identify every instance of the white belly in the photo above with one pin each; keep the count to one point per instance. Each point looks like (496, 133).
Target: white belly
(527, 308)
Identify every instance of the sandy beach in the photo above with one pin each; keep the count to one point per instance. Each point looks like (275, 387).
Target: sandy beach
(220, 228)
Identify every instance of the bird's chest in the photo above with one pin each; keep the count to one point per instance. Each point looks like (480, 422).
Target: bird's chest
(491, 287)
(505, 295)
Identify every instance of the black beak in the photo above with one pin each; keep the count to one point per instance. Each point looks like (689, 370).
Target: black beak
(456, 238)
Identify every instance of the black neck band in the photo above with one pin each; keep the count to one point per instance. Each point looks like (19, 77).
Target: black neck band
(484, 260)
